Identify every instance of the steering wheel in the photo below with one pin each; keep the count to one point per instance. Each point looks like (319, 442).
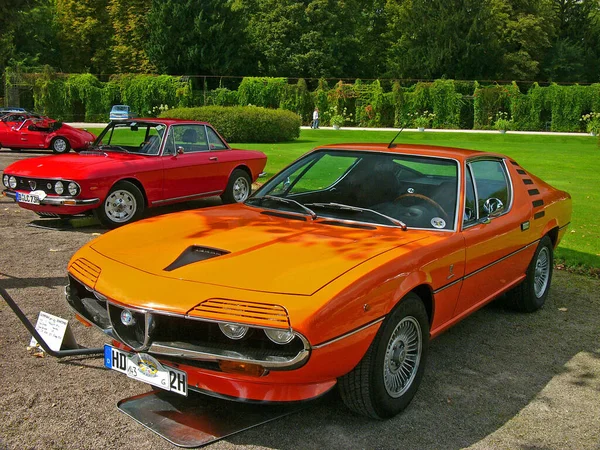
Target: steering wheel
(429, 201)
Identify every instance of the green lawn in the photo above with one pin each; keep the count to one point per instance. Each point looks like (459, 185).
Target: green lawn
(571, 163)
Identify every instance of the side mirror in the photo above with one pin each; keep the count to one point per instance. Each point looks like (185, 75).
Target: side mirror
(180, 150)
(493, 206)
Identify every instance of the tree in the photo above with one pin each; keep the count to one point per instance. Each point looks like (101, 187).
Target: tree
(526, 36)
(316, 38)
(9, 13)
(35, 37)
(575, 52)
(190, 37)
(129, 21)
(85, 35)
(444, 38)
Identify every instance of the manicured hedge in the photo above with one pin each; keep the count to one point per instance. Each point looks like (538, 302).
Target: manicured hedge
(244, 123)
(378, 103)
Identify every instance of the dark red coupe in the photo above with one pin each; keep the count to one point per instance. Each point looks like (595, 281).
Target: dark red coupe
(19, 130)
(133, 165)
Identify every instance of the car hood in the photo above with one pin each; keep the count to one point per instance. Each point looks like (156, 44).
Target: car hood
(71, 165)
(247, 249)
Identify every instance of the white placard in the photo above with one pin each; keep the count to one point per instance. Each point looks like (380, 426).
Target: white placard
(55, 331)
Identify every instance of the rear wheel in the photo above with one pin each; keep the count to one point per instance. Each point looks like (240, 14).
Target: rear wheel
(388, 376)
(123, 204)
(238, 188)
(60, 145)
(531, 294)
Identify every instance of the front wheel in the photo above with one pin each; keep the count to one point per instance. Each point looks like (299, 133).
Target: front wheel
(238, 188)
(531, 294)
(60, 145)
(388, 376)
(123, 204)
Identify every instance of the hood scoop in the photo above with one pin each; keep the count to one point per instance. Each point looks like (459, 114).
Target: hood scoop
(194, 254)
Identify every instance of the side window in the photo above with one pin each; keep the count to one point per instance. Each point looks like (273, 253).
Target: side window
(192, 138)
(170, 144)
(491, 183)
(214, 141)
(470, 213)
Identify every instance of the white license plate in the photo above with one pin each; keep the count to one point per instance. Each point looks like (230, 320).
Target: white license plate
(28, 198)
(144, 367)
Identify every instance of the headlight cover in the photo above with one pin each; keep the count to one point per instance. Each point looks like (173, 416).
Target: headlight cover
(5, 180)
(280, 336)
(59, 188)
(73, 189)
(233, 331)
(12, 182)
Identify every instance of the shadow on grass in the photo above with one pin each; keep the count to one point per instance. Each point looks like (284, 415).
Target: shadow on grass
(578, 262)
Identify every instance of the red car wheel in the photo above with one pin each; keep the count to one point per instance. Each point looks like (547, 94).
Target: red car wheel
(60, 145)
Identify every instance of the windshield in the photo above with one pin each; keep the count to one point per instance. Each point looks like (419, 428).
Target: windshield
(372, 187)
(120, 108)
(132, 137)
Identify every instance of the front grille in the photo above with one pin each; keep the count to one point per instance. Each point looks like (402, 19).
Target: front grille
(86, 304)
(47, 214)
(261, 314)
(172, 329)
(181, 332)
(35, 184)
(137, 334)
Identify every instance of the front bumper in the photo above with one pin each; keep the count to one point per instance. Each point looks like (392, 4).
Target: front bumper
(57, 201)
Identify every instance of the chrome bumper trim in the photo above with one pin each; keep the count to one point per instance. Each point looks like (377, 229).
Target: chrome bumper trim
(57, 201)
(194, 352)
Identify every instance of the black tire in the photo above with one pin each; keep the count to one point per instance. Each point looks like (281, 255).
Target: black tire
(364, 390)
(238, 187)
(531, 294)
(60, 145)
(123, 204)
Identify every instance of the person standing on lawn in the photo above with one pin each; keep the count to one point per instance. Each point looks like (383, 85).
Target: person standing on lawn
(315, 121)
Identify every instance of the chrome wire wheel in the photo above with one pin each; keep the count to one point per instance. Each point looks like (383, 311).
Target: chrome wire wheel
(402, 357)
(542, 272)
(120, 206)
(241, 189)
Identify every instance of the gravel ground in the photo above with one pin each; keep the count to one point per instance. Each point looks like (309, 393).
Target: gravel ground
(496, 380)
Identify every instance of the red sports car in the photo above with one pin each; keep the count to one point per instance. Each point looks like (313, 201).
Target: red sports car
(133, 165)
(26, 130)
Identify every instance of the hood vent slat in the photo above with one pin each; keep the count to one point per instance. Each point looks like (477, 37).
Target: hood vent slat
(195, 254)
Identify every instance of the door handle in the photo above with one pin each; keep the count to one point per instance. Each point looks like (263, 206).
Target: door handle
(213, 158)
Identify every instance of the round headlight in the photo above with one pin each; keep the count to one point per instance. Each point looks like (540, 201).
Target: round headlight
(280, 336)
(5, 180)
(233, 331)
(12, 182)
(73, 189)
(59, 188)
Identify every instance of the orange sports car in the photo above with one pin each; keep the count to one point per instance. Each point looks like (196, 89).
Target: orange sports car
(338, 271)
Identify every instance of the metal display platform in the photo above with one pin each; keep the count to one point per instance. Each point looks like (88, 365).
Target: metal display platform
(199, 420)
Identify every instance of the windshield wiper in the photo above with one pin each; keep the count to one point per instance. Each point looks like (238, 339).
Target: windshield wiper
(340, 206)
(287, 201)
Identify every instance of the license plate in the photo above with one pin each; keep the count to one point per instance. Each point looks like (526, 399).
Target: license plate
(145, 368)
(28, 198)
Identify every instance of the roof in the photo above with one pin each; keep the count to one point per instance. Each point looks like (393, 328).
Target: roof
(416, 149)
